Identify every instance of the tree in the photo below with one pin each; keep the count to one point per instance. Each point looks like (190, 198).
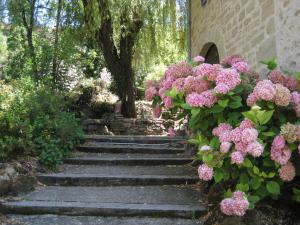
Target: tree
(118, 26)
(24, 12)
(117, 54)
(54, 60)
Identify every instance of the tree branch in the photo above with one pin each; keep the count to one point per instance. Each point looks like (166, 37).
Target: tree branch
(129, 36)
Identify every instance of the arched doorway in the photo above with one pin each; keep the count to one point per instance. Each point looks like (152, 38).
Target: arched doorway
(211, 53)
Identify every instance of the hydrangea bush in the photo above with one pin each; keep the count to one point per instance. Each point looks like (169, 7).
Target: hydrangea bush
(245, 127)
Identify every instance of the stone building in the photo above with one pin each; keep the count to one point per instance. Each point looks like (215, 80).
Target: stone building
(254, 29)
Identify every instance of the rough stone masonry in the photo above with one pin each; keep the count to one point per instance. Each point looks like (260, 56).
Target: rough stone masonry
(255, 29)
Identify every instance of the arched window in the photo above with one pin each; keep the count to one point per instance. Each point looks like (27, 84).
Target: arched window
(211, 53)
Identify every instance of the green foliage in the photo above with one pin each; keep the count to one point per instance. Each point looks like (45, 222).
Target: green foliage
(34, 120)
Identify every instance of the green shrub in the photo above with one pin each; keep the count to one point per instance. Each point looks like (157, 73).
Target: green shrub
(35, 120)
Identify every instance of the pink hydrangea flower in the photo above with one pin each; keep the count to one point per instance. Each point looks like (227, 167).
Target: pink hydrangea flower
(221, 129)
(179, 84)
(282, 96)
(199, 59)
(195, 100)
(241, 147)
(210, 98)
(264, 90)
(225, 136)
(237, 205)
(241, 66)
(195, 84)
(277, 77)
(203, 70)
(237, 158)
(206, 98)
(255, 149)
(228, 77)
(221, 89)
(205, 172)
(281, 155)
(235, 135)
(246, 123)
(167, 83)
(168, 102)
(229, 61)
(249, 135)
(287, 172)
(157, 111)
(171, 132)
(161, 92)
(278, 142)
(175, 71)
(251, 100)
(225, 147)
(295, 99)
(292, 83)
(150, 93)
(238, 195)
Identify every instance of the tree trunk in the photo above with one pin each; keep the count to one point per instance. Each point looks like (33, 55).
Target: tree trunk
(29, 25)
(128, 92)
(54, 60)
(32, 53)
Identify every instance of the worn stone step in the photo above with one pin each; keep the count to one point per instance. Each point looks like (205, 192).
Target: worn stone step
(128, 148)
(136, 139)
(129, 159)
(168, 201)
(93, 175)
(90, 220)
(116, 180)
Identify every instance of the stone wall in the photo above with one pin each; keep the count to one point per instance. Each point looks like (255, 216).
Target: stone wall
(255, 29)
(287, 22)
(116, 124)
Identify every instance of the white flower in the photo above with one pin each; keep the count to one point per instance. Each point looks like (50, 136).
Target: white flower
(205, 148)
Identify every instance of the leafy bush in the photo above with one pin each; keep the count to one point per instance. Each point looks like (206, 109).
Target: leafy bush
(35, 120)
(244, 127)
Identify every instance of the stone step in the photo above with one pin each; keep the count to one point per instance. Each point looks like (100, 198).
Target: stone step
(128, 148)
(116, 180)
(89, 220)
(93, 175)
(129, 159)
(168, 201)
(135, 139)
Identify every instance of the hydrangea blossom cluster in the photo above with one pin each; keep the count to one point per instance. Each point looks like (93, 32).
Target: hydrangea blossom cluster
(237, 205)
(205, 99)
(244, 139)
(280, 152)
(277, 77)
(227, 80)
(267, 91)
(287, 172)
(174, 72)
(295, 99)
(205, 172)
(199, 59)
(195, 84)
(200, 84)
(151, 90)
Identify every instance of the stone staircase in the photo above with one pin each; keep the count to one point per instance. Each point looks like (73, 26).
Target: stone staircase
(116, 180)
